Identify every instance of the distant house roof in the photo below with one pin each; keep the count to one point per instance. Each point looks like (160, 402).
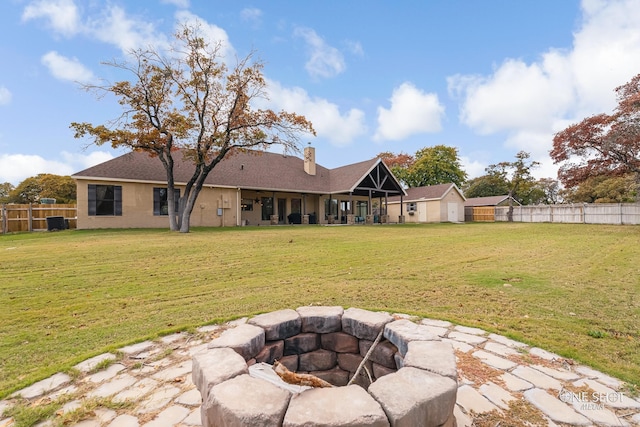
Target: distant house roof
(489, 201)
(251, 170)
(430, 192)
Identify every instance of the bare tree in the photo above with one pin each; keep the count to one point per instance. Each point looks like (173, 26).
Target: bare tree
(187, 102)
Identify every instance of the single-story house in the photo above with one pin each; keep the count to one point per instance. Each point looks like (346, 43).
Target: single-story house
(433, 203)
(481, 209)
(246, 188)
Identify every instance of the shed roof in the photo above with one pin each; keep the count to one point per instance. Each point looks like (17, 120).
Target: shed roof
(488, 201)
(428, 192)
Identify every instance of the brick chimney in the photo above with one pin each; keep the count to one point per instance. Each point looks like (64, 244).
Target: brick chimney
(310, 160)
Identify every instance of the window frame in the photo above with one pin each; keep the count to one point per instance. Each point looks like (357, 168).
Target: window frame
(161, 204)
(99, 205)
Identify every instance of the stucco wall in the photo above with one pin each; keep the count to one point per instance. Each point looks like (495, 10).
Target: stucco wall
(137, 207)
(429, 210)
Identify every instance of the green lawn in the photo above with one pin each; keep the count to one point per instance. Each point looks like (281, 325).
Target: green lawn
(571, 289)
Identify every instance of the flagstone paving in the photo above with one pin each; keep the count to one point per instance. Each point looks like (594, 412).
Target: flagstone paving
(500, 382)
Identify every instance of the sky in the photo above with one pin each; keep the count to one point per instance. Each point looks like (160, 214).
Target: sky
(490, 78)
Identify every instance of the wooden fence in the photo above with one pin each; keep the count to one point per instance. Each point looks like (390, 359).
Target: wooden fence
(594, 213)
(479, 213)
(33, 217)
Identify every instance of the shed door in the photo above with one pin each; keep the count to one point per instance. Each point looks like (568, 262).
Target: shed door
(422, 212)
(452, 212)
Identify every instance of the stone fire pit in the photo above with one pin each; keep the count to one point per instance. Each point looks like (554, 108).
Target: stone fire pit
(410, 377)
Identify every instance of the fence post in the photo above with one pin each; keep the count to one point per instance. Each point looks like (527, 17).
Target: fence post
(3, 220)
(621, 219)
(30, 219)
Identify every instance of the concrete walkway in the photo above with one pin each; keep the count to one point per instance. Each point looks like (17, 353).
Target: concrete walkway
(500, 382)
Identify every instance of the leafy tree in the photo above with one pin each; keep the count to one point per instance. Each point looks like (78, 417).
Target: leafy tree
(603, 189)
(485, 186)
(602, 145)
(517, 174)
(44, 185)
(28, 191)
(430, 166)
(546, 191)
(5, 189)
(398, 163)
(187, 102)
(436, 165)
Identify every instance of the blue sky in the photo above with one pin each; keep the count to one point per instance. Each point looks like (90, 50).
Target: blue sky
(489, 77)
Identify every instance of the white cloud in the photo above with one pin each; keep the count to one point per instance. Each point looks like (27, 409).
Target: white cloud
(516, 96)
(329, 123)
(15, 168)
(473, 168)
(5, 96)
(212, 33)
(325, 61)
(532, 101)
(354, 47)
(64, 68)
(116, 28)
(412, 112)
(62, 15)
(83, 161)
(252, 15)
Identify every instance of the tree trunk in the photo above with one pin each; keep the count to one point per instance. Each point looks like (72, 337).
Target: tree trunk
(510, 211)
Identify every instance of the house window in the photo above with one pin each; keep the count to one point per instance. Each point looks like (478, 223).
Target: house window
(161, 201)
(105, 200)
(267, 208)
(411, 207)
(246, 205)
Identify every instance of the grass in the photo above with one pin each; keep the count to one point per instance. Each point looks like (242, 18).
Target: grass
(70, 295)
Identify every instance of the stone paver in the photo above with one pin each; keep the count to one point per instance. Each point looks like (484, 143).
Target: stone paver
(137, 348)
(496, 394)
(113, 386)
(469, 330)
(494, 361)
(506, 341)
(514, 383)
(501, 349)
(90, 364)
(125, 420)
(41, 387)
(169, 417)
(537, 378)
(137, 390)
(166, 391)
(471, 400)
(435, 322)
(466, 338)
(107, 374)
(554, 408)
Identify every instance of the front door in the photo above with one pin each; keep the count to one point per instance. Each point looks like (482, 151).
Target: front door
(282, 210)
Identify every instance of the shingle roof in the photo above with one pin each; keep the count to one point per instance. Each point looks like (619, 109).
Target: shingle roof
(249, 170)
(487, 201)
(429, 192)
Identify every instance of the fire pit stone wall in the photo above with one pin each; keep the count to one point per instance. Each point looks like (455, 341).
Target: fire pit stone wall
(410, 377)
